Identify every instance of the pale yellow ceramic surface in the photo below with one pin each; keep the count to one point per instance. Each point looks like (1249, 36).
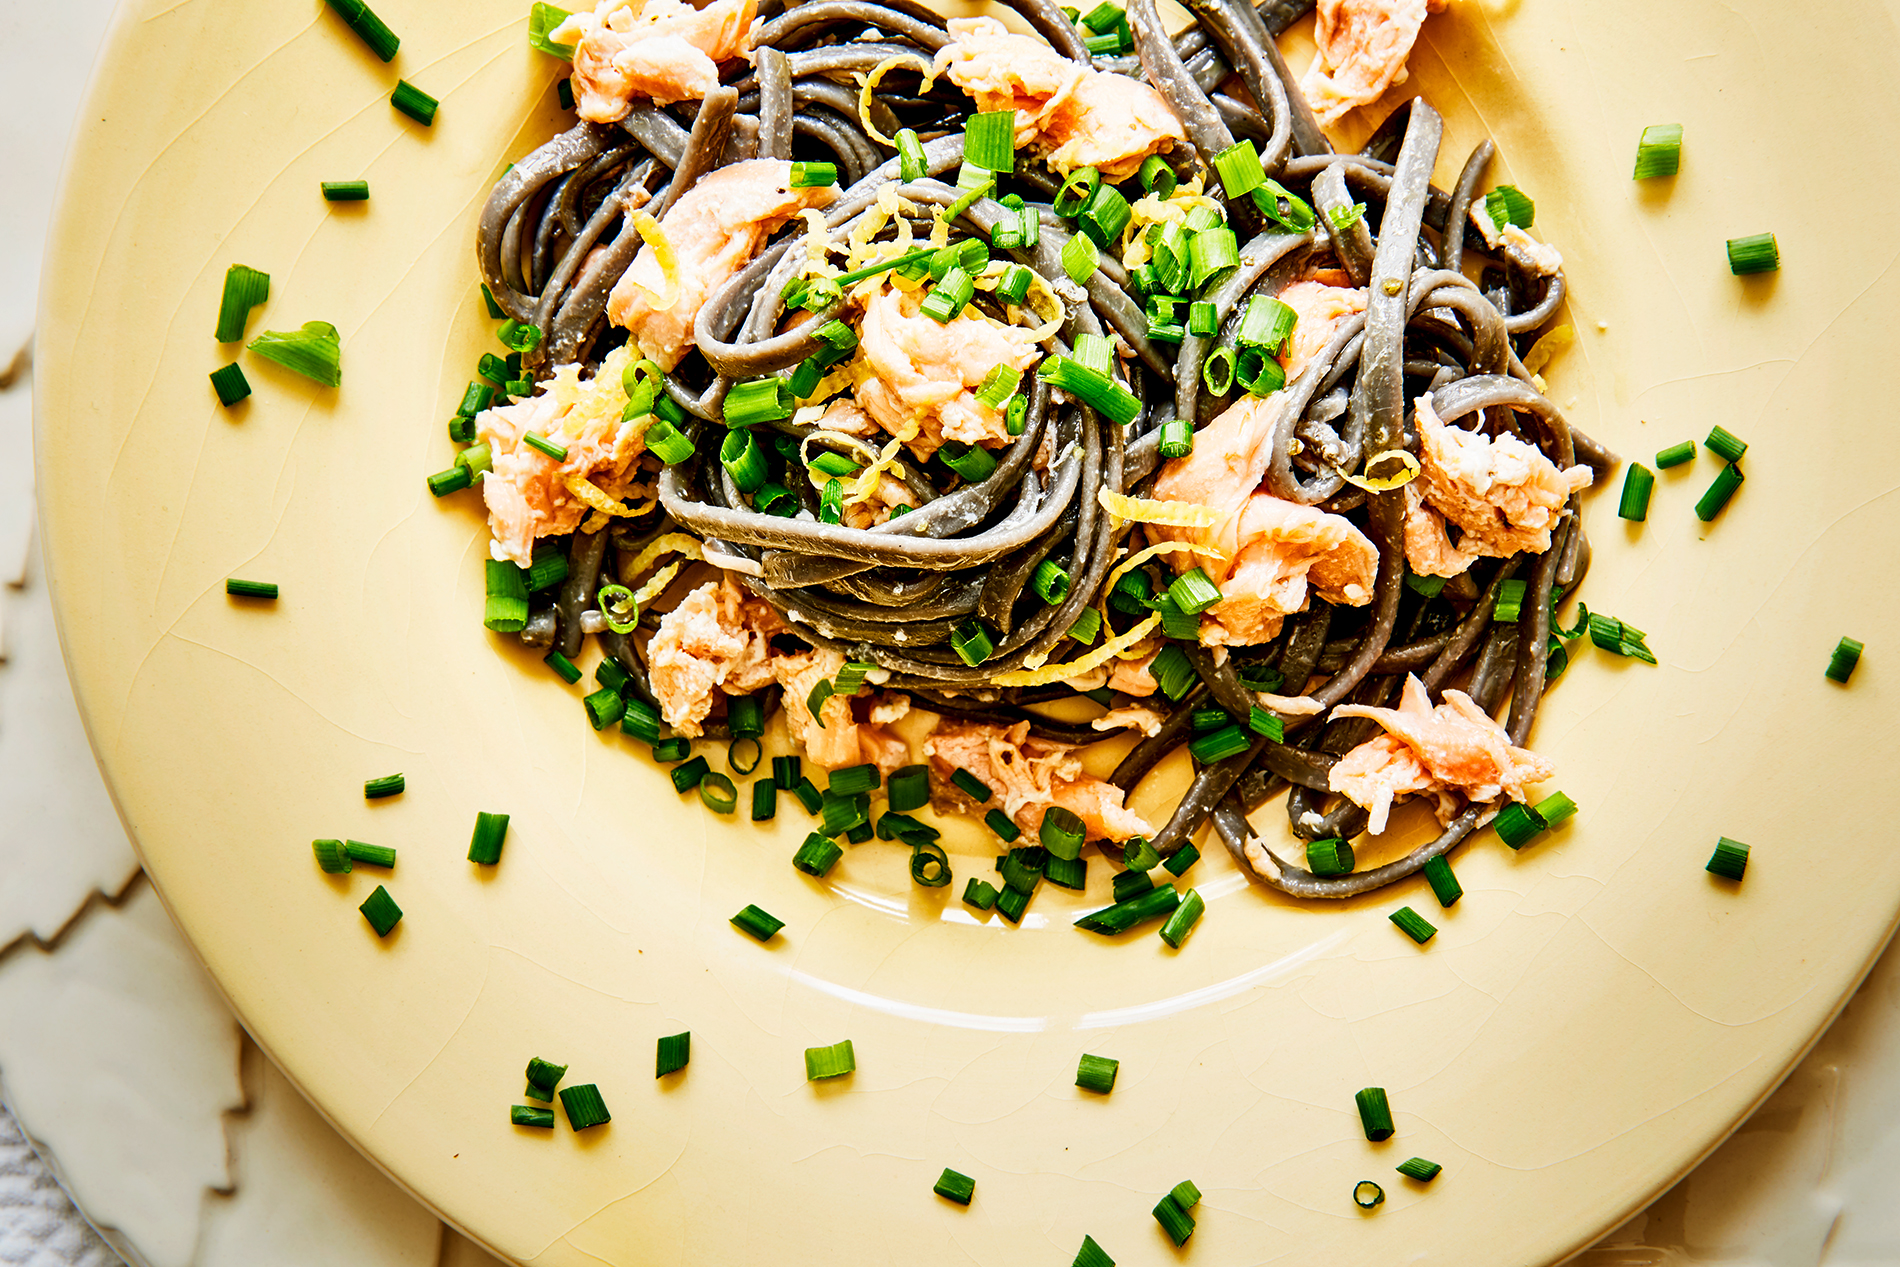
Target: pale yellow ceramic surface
(1594, 1015)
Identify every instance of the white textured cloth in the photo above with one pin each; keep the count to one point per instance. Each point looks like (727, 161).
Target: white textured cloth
(38, 1225)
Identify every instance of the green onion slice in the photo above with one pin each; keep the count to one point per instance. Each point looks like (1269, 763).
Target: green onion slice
(1079, 258)
(852, 780)
(1757, 254)
(368, 27)
(1092, 1255)
(332, 856)
(370, 855)
(989, 140)
(528, 1115)
(1076, 191)
(249, 589)
(1329, 857)
(1175, 1221)
(1846, 655)
(756, 924)
(971, 786)
(1367, 1194)
(816, 856)
(929, 864)
(244, 289)
(1062, 833)
(972, 642)
(1096, 1073)
(315, 351)
(955, 1186)
(1217, 371)
(1375, 1113)
(584, 1107)
(1445, 886)
(830, 1062)
(1182, 921)
(414, 102)
(387, 785)
(718, 794)
(1724, 444)
(1238, 167)
(231, 385)
(543, 21)
(1508, 205)
(1638, 481)
(912, 165)
(672, 1053)
(999, 822)
(1675, 455)
(484, 847)
(979, 893)
(1659, 151)
(1727, 480)
(381, 911)
(344, 190)
(764, 800)
(1096, 390)
(1730, 859)
(1119, 918)
(813, 175)
(1420, 1169)
(1413, 925)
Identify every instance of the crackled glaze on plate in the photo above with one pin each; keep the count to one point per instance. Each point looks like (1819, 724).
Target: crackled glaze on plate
(1594, 1015)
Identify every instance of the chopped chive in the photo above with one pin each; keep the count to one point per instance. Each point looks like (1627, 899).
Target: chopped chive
(1727, 480)
(952, 1184)
(1014, 284)
(244, 289)
(1022, 868)
(764, 800)
(315, 351)
(831, 503)
(1659, 151)
(854, 779)
(839, 814)
(1097, 390)
(972, 462)
(1011, 903)
(332, 856)
(368, 27)
(1637, 483)
(1266, 324)
(1076, 191)
(830, 1062)
(642, 721)
(1675, 455)
(1508, 205)
(1185, 1194)
(814, 175)
(1096, 1073)
(757, 400)
(1079, 258)
(528, 1115)
(1203, 318)
(999, 822)
(971, 786)
(1375, 1114)
(1092, 1255)
(972, 642)
(1177, 438)
(370, 855)
(1067, 873)
(232, 386)
(1086, 626)
(1119, 918)
(1157, 177)
(998, 386)
(1518, 824)
(1367, 1194)
(461, 430)
(1193, 591)
(979, 893)
(1104, 216)
(1343, 218)
(756, 924)
(1619, 638)
(1133, 884)
(388, 785)
(1846, 655)
(1062, 833)
(929, 864)
(1238, 167)
(989, 140)
(670, 751)
(672, 1054)
(1723, 443)
(1182, 921)
(541, 444)
(1173, 672)
(345, 190)
(1556, 807)
(786, 772)
(1413, 925)
(744, 460)
(1228, 741)
(1445, 886)
(1757, 254)
(687, 775)
(1217, 371)
(604, 707)
(1213, 253)
(1329, 857)
(381, 911)
(1175, 1221)
(1510, 604)
(666, 442)
(1730, 859)
(900, 826)
(1183, 858)
(911, 163)
(949, 296)
(1262, 722)
(1420, 1169)
(745, 717)
(584, 1107)
(249, 589)
(414, 102)
(909, 787)
(808, 795)
(484, 847)
(1176, 623)
(816, 856)
(717, 793)
(550, 570)
(543, 1076)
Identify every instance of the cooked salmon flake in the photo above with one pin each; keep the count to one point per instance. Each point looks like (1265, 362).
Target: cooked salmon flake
(1030, 776)
(1363, 45)
(717, 639)
(663, 50)
(1080, 116)
(1450, 751)
(714, 230)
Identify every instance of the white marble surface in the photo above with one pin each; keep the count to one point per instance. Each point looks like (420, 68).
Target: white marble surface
(191, 1149)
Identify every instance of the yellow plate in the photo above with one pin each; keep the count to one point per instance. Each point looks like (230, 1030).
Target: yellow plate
(1592, 1017)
